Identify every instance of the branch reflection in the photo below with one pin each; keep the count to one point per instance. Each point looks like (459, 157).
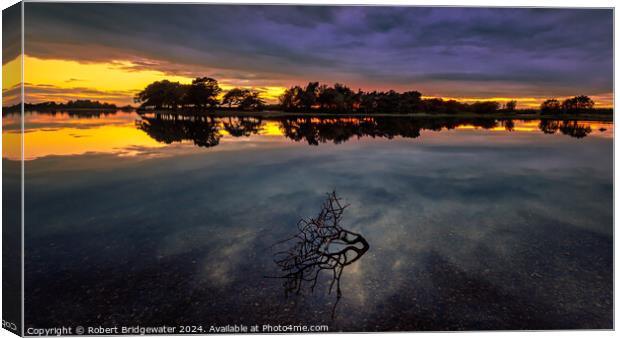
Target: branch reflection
(321, 244)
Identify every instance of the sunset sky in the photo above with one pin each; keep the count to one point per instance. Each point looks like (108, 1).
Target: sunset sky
(110, 51)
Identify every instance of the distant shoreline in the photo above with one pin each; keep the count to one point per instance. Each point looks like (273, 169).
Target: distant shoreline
(277, 113)
(600, 117)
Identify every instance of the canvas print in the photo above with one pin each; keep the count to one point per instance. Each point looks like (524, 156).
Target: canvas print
(220, 168)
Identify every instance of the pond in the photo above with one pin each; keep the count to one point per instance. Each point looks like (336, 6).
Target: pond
(178, 220)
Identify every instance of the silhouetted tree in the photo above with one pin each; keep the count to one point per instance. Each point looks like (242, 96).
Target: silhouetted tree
(453, 107)
(162, 94)
(309, 95)
(434, 105)
(243, 99)
(550, 106)
(290, 99)
(388, 102)
(510, 106)
(485, 107)
(338, 98)
(203, 92)
(578, 104)
(326, 97)
(251, 101)
(234, 97)
(368, 102)
(410, 102)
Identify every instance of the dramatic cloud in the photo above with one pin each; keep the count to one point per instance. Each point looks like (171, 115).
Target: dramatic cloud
(11, 37)
(439, 51)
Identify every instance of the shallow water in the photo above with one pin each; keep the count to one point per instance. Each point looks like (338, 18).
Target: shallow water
(471, 224)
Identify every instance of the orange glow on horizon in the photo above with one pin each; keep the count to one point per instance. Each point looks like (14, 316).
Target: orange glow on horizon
(117, 81)
(114, 81)
(601, 101)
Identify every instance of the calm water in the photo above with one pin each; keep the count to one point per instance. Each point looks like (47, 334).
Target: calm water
(470, 224)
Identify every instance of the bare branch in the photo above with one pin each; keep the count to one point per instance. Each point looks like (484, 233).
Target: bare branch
(311, 250)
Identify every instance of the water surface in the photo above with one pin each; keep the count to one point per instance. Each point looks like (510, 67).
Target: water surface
(168, 219)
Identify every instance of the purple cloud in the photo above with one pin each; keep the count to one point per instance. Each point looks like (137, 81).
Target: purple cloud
(440, 51)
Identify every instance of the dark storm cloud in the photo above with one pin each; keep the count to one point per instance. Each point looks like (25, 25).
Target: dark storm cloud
(11, 28)
(544, 51)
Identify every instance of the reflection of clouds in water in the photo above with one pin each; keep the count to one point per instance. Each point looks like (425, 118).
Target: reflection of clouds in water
(222, 266)
(188, 148)
(225, 248)
(460, 212)
(446, 201)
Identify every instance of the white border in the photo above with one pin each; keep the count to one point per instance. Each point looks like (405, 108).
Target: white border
(472, 3)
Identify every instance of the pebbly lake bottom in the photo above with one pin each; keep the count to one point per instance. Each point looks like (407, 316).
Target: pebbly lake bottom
(467, 230)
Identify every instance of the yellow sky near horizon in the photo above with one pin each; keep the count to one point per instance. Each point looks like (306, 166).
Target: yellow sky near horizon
(118, 81)
(115, 82)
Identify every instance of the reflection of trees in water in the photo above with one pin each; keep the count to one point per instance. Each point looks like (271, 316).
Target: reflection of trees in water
(509, 125)
(168, 128)
(321, 244)
(203, 130)
(242, 126)
(549, 126)
(315, 130)
(338, 130)
(206, 130)
(571, 128)
(84, 113)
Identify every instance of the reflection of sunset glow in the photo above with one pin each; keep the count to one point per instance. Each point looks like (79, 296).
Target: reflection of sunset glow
(64, 119)
(62, 134)
(11, 137)
(271, 128)
(601, 129)
(65, 134)
(73, 141)
(267, 128)
(70, 141)
(345, 120)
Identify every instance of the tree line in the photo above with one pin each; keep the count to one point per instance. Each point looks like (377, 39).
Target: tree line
(341, 99)
(205, 93)
(575, 105)
(202, 93)
(69, 106)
